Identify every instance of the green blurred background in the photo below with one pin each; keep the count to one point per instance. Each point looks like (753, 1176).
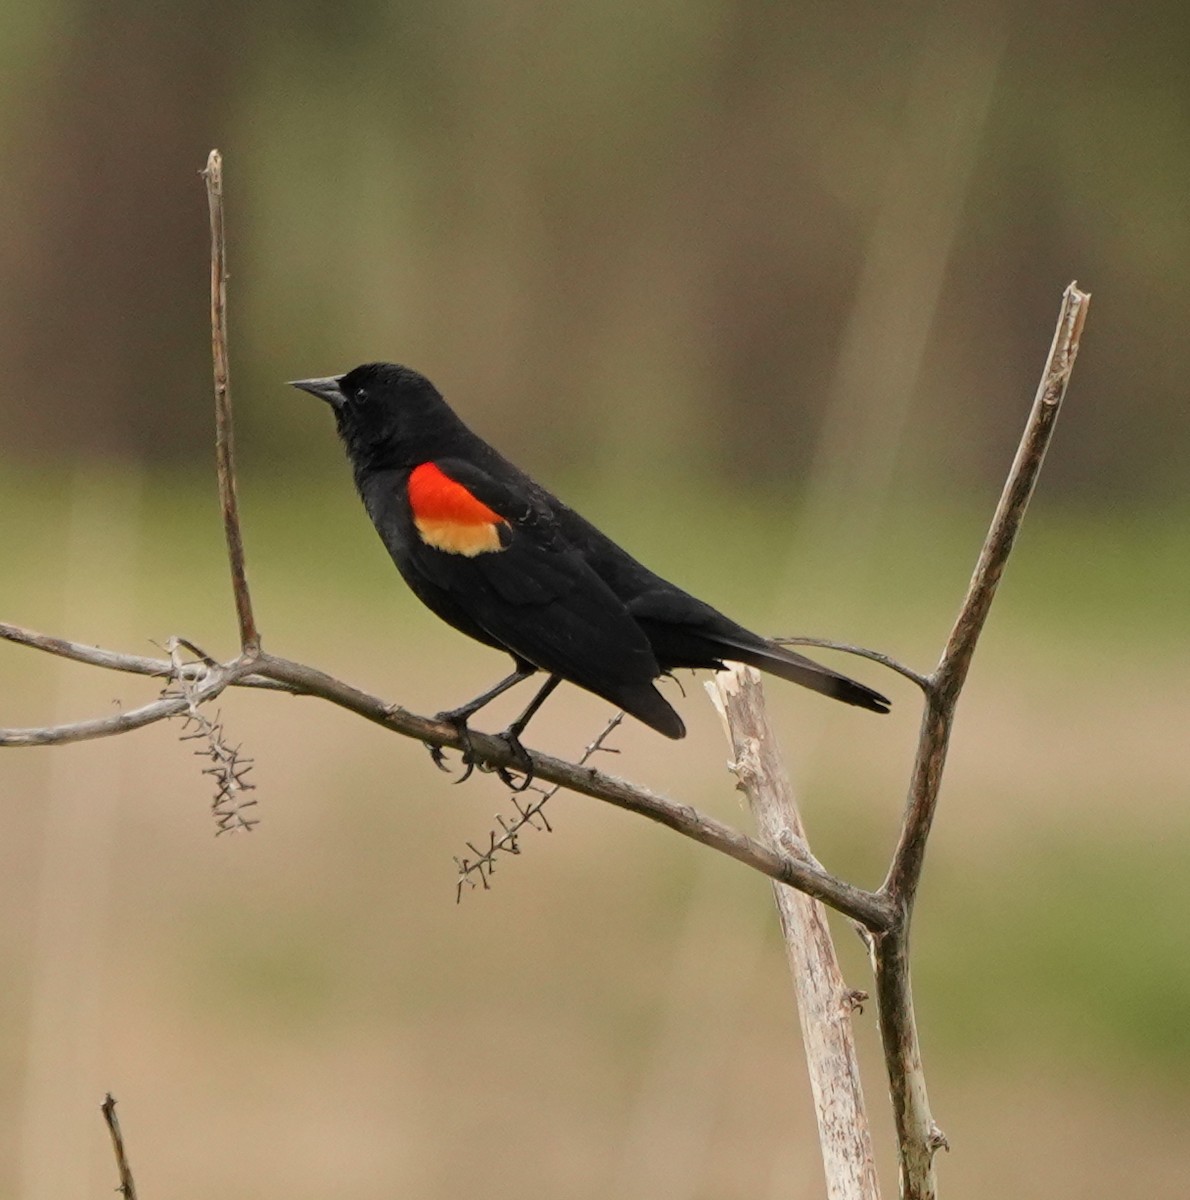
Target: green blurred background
(765, 289)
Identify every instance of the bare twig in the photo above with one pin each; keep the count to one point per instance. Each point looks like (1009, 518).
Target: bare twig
(224, 434)
(918, 1136)
(824, 1001)
(877, 656)
(229, 769)
(82, 731)
(127, 1187)
(529, 814)
(92, 655)
(951, 672)
(1018, 490)
(131, 664)
(213, 681)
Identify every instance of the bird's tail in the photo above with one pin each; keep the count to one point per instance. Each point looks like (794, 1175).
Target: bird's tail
(787, 664)
(647, 704)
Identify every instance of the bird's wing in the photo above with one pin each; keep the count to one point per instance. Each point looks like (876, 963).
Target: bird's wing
(500, 556)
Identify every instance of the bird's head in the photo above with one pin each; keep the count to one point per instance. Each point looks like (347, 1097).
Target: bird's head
(387, 415)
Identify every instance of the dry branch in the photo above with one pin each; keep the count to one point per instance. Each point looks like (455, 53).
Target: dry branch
(861, 905)
(951, 672)
(207, 686)
(127, 1185)
(530, 814)
(918, 1136)
(113, 660)
(824, 1001)
(876, 656)
(224, 432)
(300, 679)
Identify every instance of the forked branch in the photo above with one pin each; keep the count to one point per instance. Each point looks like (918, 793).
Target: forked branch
(918, 1136)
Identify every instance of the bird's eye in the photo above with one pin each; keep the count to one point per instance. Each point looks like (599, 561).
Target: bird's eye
(361, 394)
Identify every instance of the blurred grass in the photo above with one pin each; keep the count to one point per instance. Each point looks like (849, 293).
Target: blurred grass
(1049, 942)
(1083, 935)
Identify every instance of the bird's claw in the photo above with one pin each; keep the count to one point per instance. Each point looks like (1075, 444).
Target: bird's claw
(522, 763)
(467, 750)
(437, 757)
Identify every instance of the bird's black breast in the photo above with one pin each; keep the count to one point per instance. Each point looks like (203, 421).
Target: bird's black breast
(386, 497)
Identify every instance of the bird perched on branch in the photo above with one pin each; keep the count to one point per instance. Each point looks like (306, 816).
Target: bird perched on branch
(501, 559)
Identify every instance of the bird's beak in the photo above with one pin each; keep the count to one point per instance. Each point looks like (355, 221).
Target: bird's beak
(325, 389)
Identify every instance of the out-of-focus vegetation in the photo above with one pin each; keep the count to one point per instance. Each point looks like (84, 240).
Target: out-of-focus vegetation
(658, 220)
(765, 290)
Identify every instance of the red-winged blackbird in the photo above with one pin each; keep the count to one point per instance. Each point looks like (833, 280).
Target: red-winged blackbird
(499, 558)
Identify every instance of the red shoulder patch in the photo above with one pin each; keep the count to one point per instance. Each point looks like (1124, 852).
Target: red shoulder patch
(448, 517)
(434, 496)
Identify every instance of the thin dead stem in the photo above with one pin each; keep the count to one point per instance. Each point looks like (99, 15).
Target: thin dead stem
(918, 1135)
(228, 768)
(130, 664)
(212, 682)
(506, 839)
(951, 672)
(876, 656)
(127, 1185)
(825, 1003)
(224, 432)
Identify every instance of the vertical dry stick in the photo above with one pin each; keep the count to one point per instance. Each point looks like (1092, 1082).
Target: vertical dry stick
(824, 1001)
(951, 672)
(127, 1186)
(918, 1137)
(224, 434)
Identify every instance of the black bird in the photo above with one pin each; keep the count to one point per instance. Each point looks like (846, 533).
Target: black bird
(501, 559)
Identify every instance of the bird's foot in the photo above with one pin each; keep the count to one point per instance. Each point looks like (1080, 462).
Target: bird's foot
(521, 761)
(438, 755)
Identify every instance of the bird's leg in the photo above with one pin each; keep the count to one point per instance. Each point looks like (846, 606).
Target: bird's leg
(512, 735)
(458, 717)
